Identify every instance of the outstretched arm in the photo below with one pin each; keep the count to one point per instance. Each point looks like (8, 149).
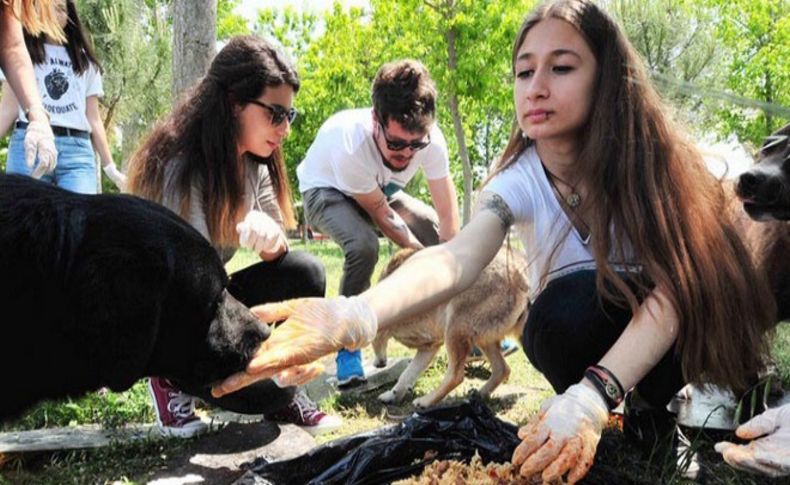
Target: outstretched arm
(438, 273)
(315, 327)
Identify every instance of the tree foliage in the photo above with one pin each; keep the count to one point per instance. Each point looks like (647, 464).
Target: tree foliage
(132, 41)
(229, 23)
(719, 63)
(756, 36)
(676, 40)
(339, 54)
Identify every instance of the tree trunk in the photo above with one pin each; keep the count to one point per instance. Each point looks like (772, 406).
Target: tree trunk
(460, 137)
(194, 39)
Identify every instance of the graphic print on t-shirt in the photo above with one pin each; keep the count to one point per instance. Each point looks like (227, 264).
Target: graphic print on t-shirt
(56, 84)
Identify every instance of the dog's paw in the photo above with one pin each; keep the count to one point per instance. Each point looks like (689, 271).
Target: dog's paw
(380, 363)
(388, 397)
(422, 402)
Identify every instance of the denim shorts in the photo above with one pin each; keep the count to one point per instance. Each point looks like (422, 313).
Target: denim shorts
(76, 167)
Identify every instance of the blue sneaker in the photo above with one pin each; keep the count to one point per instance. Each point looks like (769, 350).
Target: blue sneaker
(507, 346)
(349, 368)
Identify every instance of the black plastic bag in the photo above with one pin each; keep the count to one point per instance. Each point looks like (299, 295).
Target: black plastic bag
(451, 432)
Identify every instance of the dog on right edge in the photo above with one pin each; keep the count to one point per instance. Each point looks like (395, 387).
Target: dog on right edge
(764, 193)
(482, 315)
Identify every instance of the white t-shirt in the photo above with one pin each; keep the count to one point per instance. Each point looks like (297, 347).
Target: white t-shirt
(344, 156)
(543, 226)
(63, 92)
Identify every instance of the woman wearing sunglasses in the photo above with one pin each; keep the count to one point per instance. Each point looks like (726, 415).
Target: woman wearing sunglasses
(217, 161)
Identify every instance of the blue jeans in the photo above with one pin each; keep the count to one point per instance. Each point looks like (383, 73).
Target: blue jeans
(76, 168)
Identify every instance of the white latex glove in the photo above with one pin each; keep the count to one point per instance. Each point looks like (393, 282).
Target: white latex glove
(259, 232)
(313, 328)
(563, 436)
(118, 178)
(769, 454)
(40, 141)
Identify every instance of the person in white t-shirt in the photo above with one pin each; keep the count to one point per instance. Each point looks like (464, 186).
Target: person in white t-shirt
(217, 161)
(37, 17)
(638, 279)
(353, 175)
(70, 83)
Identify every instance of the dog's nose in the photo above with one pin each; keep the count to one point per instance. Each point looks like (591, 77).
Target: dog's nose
(759, 186)
(748, 183)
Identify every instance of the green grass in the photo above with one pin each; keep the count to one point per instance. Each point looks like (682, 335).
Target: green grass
(136, 462)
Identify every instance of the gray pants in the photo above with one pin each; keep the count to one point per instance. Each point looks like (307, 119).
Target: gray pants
(341, 218)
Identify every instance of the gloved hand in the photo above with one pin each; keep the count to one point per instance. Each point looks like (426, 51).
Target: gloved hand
(769, 454)
(563, 436)
(313, 328)
(298, 374)
(118, 178)
(40, 140)
(262, 234)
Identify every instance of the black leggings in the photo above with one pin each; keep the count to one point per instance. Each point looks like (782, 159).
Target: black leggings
(295, 274)
(568, 329)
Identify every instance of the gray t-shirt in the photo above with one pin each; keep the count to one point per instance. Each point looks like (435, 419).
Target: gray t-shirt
(258, 195)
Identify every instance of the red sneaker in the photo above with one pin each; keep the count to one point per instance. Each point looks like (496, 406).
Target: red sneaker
(303, 412)
(175, 411)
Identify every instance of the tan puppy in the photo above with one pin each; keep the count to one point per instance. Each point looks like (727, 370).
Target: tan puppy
(482, 315)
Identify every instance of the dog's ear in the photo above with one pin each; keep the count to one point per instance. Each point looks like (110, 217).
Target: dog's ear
(775, 141)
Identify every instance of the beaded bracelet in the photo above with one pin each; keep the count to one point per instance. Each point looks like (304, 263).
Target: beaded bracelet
(607, 385)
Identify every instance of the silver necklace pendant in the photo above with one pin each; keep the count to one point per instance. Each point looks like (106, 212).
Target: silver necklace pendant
(573, 200)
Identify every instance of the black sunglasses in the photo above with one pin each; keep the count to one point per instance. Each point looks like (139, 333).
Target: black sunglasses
(279, 114)
(399, 145)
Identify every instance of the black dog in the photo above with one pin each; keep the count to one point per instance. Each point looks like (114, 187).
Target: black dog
(764, 191)
(103, 290)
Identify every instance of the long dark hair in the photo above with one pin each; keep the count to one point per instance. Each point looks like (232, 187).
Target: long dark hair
(201, 134)
(77, 43)
(649, 184)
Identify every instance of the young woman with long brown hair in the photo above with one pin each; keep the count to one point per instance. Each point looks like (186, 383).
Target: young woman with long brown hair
(217, 161)
(637, 279)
